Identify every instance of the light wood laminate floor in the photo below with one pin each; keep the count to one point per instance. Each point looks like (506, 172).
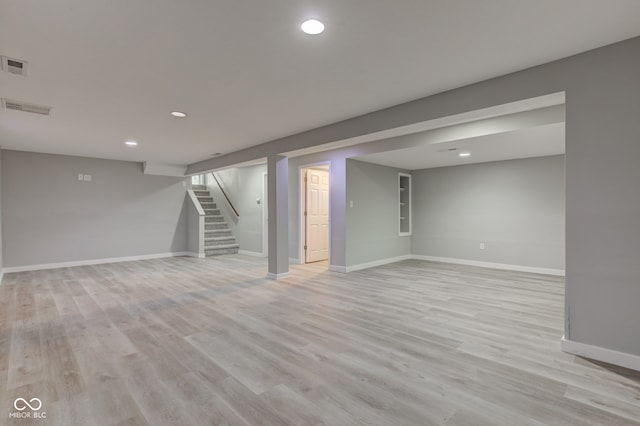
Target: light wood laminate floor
(211, 341)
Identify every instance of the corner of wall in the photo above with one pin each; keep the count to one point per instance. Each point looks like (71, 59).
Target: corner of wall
(600, 354)
(1, 252)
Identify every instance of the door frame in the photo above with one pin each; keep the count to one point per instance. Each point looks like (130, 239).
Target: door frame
(265, 215)
(302, 196)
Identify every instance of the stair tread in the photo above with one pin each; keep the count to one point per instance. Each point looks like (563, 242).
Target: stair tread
(222, 238)
(222, 247)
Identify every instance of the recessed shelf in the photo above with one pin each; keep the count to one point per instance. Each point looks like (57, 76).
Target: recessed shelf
(404, 204)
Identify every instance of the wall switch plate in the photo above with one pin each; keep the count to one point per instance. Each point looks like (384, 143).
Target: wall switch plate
(80, 176)
(87, 178)
(351, 203)
(481, 246)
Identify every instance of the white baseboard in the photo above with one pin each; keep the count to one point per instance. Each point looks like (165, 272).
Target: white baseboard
(192, 254)
(380, 262)
(1, 275)
(293, 261)
(622, 359)
(277, 276)
(519, 268)
(251, 253)
(337, 268)
(94, 262)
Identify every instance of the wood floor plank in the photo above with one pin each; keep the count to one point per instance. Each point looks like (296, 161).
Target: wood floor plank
(212, 341)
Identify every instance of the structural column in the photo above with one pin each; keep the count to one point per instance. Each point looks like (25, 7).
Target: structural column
(338, 214)
(278, 196)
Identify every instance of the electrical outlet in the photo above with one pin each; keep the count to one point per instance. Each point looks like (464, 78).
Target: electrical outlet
(87, 178)
(80, 176)
(351, 203)
(481, 246)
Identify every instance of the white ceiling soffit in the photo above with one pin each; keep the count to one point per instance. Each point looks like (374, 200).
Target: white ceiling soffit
(537, 103)
(536, 141)
(490, 126)
(245, 74)
(160, 169)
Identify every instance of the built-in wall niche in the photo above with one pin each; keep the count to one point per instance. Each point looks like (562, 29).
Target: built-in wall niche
(404, 204)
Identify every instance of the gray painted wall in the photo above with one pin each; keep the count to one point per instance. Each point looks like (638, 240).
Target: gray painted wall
(1, 258)
(49, 216)
(372, 222)
(243, 185)
(515, 207)
(249, 227)
(195, 227)
(603, 206)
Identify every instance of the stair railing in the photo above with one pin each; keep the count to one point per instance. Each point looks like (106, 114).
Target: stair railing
(219, 183)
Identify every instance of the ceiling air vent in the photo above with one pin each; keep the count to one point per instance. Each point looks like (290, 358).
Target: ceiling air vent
(25, 107)
(14, 66)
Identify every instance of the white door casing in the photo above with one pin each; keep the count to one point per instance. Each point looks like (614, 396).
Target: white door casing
(265, 215)
(317, 217)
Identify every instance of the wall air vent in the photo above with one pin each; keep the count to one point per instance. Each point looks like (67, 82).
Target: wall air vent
(25, 107)
(14, 66)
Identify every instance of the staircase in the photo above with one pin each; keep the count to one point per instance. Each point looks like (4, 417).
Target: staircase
(217, 235)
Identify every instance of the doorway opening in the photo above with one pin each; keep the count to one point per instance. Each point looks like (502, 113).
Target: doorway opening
(314, 214)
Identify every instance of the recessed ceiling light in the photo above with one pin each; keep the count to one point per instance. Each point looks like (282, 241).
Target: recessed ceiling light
(131, 143)
(312, 27)
(464, 154)
(178, 114)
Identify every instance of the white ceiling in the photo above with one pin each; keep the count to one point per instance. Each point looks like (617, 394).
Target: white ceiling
(245, 74)
(528, 142)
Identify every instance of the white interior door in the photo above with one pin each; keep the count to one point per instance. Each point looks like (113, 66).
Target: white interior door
(317, 217)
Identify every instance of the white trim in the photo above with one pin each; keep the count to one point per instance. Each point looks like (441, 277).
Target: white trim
(192, 254)
(251, 253)
(337, 268)
(600, 354)
(379, 262)
(1, 276)
(196, 202)
(265, 214)
(277, 276)
(519, 268)
(40, 267)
